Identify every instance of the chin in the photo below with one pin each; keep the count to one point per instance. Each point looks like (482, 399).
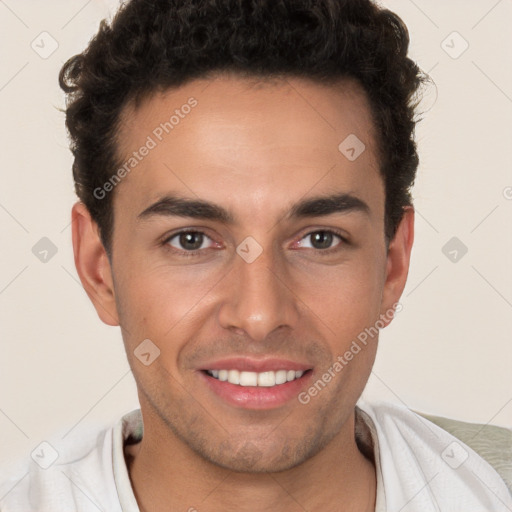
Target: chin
(251, 458)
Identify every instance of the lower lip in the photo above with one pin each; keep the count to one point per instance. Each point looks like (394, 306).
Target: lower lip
(256, 397)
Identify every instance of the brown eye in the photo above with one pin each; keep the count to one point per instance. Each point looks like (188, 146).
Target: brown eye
(188, 240)
(321, 240)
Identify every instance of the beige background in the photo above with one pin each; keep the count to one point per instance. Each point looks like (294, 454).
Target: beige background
(449, 352)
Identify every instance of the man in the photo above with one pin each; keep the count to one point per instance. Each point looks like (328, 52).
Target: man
(244, 173)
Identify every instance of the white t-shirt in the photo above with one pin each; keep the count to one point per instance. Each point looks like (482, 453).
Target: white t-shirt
(419, 466)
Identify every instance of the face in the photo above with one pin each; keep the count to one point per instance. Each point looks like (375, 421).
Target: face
(245, 240)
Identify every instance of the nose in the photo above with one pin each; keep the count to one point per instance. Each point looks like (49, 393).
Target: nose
(258, 298)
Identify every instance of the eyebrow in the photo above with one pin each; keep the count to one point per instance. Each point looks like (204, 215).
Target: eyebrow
(176, 206)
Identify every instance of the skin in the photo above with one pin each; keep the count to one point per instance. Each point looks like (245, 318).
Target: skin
(254, 149)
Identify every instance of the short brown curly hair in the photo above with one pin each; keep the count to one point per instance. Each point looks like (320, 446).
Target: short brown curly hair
(152, 45)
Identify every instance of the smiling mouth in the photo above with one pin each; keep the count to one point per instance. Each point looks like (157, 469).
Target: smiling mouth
(256, 379)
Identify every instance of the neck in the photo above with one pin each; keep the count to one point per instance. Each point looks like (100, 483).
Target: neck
(167, 475)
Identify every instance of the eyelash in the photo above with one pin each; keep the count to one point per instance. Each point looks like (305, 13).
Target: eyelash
(197, 252)
(186, 254)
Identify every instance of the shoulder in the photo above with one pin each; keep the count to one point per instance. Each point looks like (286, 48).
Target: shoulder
(63, 475)
(491, 442)
(422, 452)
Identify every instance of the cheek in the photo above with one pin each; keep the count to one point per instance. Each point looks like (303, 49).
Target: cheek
(167, 303)
(347, 297)
(348, 307)
(160, 302)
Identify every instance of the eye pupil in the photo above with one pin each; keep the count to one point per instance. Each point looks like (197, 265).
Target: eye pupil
(187, 240)
(321, 240)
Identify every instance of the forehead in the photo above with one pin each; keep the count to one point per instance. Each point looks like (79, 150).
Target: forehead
(233, 139)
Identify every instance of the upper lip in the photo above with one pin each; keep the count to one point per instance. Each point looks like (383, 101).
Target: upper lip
(255, 365)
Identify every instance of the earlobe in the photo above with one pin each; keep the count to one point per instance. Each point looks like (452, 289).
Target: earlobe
(398, 260)
(92, 264)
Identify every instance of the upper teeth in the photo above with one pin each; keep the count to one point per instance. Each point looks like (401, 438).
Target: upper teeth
(256, 379)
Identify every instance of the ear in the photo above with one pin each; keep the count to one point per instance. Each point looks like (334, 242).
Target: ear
(92, 264)
(397, 268)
